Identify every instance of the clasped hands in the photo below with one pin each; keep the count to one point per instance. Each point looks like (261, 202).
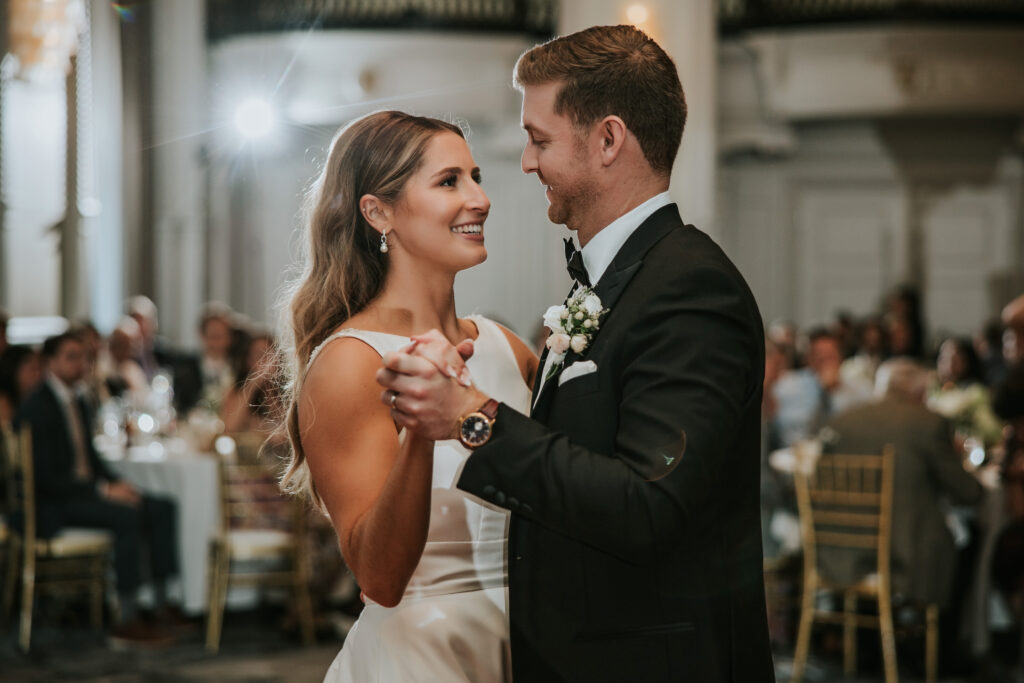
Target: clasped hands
(428, 387)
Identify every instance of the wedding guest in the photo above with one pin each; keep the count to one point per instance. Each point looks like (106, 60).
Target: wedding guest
(807, 398)
(216, 336)
(843, 329)
(21, 370)
(1013, 337)
(125, 377)
(988, 345)
(906, 322)
(927, 476)
(253, 403)
(155, 353)
(786, 336)
(149, 353)
(92, 388)
(1008, 558)
(960, 395)
(75, 488)
(871, 350)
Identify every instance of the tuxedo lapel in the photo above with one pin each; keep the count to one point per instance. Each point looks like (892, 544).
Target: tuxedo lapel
(609, 288)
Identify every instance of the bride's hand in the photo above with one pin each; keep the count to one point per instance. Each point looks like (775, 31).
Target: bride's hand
(450, 360)
(424, 400)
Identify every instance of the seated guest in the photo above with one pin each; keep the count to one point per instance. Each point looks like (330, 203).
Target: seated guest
(960, 394)
(1013, 336)
(124, 376)
(155, 354)
(74, 487)
(21, 370)
(905, 322)
(253, 402)
(216, 336)
(927, 474)
(871, 349)
(806, 398)
(1008, 558)
(988, 345)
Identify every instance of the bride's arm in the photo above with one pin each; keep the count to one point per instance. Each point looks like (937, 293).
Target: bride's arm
(376, 489)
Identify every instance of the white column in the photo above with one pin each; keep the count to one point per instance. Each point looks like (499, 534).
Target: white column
(104, 238)
(179, 106)
(687, 30)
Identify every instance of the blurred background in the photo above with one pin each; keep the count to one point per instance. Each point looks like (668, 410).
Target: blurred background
(862, 162)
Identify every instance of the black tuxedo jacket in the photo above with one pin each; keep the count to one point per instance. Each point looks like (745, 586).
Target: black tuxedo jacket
(52, 451)
(635, 542)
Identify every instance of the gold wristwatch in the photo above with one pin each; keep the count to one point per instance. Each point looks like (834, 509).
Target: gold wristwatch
(475, 429)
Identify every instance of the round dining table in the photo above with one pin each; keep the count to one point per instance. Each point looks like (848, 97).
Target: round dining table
(169, 468)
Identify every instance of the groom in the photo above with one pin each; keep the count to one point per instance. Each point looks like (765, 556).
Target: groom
(635, 547)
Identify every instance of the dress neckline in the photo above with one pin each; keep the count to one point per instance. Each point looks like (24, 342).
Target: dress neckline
(472, 318)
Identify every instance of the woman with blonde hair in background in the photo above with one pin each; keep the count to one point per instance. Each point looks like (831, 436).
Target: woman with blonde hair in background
(397, 212)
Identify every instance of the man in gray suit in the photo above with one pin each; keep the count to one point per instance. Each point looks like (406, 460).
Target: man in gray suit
(928, 473)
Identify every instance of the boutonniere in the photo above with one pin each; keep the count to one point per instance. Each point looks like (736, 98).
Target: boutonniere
(572, 325)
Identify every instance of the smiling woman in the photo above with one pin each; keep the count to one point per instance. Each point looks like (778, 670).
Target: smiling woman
(396, 214)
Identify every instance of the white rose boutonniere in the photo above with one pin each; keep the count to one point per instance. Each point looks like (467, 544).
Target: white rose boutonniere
(573, 325)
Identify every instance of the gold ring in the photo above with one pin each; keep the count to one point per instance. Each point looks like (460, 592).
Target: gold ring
(394, 397)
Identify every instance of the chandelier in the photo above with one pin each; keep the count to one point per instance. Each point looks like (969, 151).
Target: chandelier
(43, 36)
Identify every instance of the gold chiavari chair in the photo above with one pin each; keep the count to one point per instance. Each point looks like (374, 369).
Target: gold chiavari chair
(259, 526)
(74, 560)
(845, 503)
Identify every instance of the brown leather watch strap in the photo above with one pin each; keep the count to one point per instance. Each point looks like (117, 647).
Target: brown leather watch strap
(490, 409)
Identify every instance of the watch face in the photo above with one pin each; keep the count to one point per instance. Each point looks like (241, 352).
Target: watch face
(475, 430)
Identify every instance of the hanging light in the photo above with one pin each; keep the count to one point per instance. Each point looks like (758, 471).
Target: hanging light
(43, 36)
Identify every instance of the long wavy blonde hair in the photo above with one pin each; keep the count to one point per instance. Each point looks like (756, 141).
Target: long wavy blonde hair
(343, 269)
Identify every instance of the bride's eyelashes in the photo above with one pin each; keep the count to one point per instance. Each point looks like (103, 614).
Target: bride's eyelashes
(451, 180)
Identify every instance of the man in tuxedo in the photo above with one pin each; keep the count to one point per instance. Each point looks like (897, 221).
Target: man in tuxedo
(635, 545)
(75, 488)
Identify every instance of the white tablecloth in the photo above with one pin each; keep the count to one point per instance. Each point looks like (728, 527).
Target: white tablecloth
(192, 481)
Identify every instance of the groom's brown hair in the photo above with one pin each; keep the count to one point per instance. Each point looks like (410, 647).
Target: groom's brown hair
(618, 70)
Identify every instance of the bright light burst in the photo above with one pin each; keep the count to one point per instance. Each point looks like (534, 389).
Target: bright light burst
(254, 118)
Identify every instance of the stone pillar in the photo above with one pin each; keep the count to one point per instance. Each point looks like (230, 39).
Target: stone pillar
(179, 122)
(104, 207)
(689, 33)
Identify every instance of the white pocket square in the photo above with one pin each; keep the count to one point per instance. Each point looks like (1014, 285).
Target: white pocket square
(577, 369)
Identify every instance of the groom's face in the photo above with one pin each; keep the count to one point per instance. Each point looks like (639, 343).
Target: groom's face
(557, 152)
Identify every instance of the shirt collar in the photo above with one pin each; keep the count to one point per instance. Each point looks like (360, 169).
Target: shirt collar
(63, 391)
(602, 247)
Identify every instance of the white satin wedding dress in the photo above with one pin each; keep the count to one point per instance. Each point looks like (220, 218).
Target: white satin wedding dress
(452, 622)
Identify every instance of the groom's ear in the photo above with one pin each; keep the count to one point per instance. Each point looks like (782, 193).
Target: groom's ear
(613, 133)
(376, 212)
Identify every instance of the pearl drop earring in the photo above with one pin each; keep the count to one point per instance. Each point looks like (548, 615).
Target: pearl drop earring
(384, 242)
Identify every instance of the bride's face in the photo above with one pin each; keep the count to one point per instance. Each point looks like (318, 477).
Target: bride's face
(441, 214)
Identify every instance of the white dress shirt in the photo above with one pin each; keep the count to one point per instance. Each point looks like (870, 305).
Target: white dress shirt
(77, 431)
(603, 246)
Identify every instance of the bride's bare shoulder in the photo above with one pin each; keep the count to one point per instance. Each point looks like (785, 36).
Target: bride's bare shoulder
(343, 372)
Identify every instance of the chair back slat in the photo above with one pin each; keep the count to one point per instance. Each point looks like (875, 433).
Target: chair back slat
(250, 495)
(19, 478)
(846, 502)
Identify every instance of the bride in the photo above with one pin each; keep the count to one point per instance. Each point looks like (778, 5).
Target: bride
(397, 212)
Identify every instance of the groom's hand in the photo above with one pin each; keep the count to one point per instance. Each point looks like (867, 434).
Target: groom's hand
(424, 400)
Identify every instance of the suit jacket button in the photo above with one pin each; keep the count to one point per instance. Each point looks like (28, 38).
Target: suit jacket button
(499, 498)
(489, 490)
(513, 504)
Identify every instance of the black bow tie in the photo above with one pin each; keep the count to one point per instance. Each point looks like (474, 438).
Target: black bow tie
(574, 264)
